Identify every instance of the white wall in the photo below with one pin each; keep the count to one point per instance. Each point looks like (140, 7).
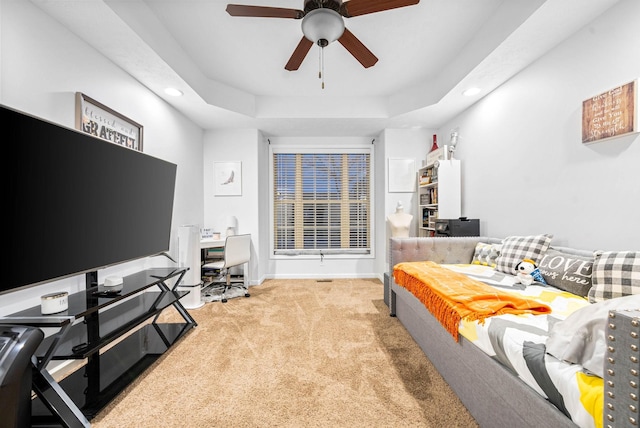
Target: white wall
(235, 146)
(264, 197)
(401, 144)
(525, 170)
(380, 181)
(253, 207)
(43, 65)
(405, 144)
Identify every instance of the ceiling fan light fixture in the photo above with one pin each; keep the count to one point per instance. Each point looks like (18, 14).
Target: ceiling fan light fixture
(323, 26)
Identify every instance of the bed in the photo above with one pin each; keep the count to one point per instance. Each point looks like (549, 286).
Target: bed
(498, 365)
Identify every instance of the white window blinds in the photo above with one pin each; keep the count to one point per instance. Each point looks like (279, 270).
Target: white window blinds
(322, 202)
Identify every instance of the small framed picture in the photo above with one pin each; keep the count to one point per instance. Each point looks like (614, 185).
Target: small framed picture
(227, 178)
(100, 121)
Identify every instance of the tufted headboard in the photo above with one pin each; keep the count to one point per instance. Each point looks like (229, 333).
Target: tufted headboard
(437, 249)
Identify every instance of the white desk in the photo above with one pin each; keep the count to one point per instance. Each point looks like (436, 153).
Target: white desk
(206, 244)
(212, 243)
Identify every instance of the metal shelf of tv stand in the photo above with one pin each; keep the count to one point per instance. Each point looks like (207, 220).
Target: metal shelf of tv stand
(80, 396)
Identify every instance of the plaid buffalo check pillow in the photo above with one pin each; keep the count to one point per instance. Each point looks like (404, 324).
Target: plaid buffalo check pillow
(516, 248)
(615, 274)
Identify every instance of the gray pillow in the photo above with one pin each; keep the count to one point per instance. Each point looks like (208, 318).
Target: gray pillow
(567, 272)
(580, 338)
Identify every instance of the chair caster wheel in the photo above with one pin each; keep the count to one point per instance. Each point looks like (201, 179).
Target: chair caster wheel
(247, 295)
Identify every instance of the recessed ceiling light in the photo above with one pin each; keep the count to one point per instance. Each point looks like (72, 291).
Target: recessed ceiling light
(471, 91)
(173, 92)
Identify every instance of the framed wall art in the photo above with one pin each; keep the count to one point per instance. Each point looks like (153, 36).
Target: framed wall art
(610, 114)
(227, 178)
(402, 175)
(99, 120)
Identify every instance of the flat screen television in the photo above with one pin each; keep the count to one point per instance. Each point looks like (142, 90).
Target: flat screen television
(76, 203)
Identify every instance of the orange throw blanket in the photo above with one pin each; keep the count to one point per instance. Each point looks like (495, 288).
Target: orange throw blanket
(451, 296)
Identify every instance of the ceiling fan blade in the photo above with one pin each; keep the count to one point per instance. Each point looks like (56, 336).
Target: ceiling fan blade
(357, 49)
(362, 7)
(263, 11)
(299, 54)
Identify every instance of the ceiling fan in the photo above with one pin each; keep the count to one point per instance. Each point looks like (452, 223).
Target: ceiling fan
(322, 23)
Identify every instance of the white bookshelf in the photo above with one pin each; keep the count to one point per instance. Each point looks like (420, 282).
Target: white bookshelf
(439, 194)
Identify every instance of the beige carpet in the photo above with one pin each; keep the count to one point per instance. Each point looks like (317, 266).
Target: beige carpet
(297, 353)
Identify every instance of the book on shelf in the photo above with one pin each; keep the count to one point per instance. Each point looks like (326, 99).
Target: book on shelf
(425, 178)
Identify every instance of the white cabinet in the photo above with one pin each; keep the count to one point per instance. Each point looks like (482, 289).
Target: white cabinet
(438, 194)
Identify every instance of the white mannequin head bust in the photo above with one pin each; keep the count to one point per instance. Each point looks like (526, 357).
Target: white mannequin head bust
(399, 222)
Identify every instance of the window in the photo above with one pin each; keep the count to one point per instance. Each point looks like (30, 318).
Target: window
(322, 203)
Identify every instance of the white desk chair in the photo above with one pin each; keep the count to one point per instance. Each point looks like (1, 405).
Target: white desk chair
(237, 250)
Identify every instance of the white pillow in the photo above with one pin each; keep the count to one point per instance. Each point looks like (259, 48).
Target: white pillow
(580, 338)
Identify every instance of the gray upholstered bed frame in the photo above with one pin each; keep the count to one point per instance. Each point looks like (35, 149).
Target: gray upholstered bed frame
(492, 394)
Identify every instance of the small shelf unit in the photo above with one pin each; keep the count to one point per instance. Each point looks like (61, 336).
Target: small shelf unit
(439, 194)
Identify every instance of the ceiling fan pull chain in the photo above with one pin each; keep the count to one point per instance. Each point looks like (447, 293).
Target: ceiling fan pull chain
(321, 71)
(320, 63)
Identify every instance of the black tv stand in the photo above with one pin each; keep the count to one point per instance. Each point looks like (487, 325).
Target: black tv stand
(92, 322)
